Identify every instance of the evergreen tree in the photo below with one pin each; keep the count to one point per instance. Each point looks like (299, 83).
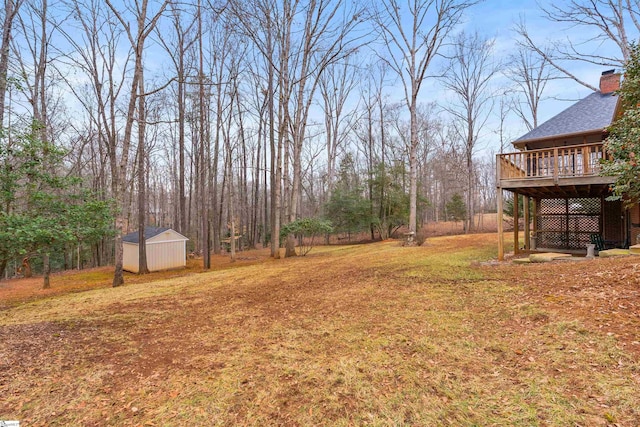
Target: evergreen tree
(623, 142)
(456, 209)
(348, 209)
(508, 206)
(43, 209)
(390, 200)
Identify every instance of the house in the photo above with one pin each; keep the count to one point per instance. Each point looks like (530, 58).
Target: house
(166, 249)
(556, 170)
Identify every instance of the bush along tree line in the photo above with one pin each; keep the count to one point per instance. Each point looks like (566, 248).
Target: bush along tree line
(47, 216)
(378, 206)
(306, 230)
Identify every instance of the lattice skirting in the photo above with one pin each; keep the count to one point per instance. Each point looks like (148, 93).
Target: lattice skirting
(567, 223)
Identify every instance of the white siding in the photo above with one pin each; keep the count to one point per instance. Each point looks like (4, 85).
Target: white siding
(165, 255)
(165, 236)
(130, 257)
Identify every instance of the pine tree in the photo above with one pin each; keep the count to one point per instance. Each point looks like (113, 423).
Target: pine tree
(456, 209)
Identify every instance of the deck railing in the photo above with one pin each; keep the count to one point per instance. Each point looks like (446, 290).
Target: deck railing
(558, 162)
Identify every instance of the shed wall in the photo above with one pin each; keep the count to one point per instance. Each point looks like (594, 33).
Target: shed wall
(168, 235)
(166, 255)
(130, 257)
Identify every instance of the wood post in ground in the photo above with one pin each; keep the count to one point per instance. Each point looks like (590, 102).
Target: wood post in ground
(500, 226)
(527, 227)
(516, 225)
(535, 216)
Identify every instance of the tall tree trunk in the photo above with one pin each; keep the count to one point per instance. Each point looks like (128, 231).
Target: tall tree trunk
(232, 202)
(216, 159)
(183, 226)
(46, 271)
(413, 166)
(265, 195)
(276, 154)
(255, 211)
(206, 250)
(142, 184)
(11, 8)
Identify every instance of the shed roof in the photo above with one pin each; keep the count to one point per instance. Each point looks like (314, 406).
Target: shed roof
(591, 114)
(149, 232)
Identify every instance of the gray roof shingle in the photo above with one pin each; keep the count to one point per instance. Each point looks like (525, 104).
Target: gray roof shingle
(593, 113)
(149, 232)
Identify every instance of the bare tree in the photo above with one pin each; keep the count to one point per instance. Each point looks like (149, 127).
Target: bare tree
(144, 26)
(34, 24)
(530, 74)
(325, 40)
(258, 21)
(298, 41)
(468, 77)
(95, 53)
(609, 23)
(370, 130)
(504, 108)
(336, 85)
(413, 36)
(259, 100)
(34, 63)
(177, 48)
(223, 53)
(203, 140)
(11, 8)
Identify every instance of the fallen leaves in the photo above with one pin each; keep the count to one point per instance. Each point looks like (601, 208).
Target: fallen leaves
(353, 335)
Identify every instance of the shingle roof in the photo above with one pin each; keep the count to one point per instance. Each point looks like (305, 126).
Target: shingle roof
(593, 113)
(149, 232)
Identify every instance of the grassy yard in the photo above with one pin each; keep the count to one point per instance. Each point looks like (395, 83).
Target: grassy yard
(374, 334)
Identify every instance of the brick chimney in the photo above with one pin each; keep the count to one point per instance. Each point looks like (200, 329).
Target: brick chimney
(609, 81)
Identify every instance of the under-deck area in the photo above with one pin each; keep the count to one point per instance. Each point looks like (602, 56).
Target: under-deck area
(563, 199)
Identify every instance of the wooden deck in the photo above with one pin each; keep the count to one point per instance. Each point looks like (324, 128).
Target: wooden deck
(571, 171)
(563, 172)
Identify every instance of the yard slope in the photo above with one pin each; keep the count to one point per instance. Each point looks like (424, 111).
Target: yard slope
(374, 334)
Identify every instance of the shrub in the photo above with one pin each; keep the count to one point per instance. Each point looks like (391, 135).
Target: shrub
(306, 227)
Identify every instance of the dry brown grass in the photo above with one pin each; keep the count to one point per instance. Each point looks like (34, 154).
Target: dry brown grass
(373, 334)
(482, 223)
(19, 290)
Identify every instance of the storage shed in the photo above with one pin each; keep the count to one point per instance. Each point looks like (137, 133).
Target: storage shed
(166, 248)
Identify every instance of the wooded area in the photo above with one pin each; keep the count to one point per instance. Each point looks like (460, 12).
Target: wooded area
(234, 118)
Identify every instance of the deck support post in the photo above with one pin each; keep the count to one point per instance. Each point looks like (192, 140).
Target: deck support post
(500, 226)
(516, 225)
(527, 227)
(535, 219)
